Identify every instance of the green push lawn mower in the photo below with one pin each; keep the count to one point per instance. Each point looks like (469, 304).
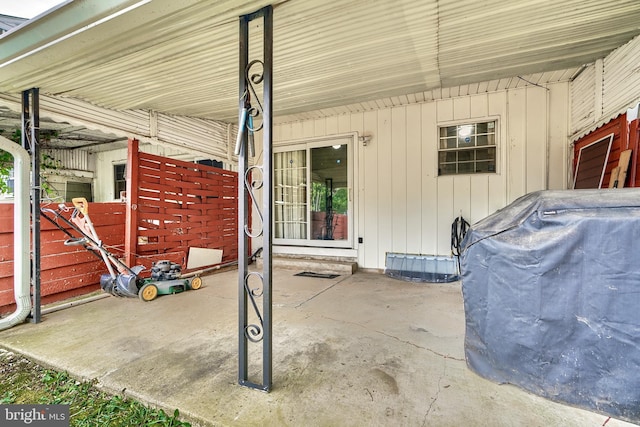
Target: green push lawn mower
(122, 280)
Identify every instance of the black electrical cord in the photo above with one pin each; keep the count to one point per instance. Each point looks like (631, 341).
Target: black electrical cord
(459, 229)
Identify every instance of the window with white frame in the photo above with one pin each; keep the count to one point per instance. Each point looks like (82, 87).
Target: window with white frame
(119, 180)
(467, 148)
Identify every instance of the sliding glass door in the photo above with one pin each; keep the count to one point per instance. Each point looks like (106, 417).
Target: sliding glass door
(312, 205)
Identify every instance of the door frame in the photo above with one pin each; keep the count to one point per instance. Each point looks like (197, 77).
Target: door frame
(323, 247)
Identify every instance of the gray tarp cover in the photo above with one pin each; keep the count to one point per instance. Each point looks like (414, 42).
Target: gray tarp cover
(551, 287)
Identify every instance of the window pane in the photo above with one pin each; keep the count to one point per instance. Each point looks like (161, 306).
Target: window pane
(486, 139)
(448, 131)
(486, 154)
(466, 167)
(484, 166)
(466, 130)
(119, 183)
(329, 195)
(448, 143)
(290, 191)
(465, 156)
(447, 169)
(466, 141)
(447, 156)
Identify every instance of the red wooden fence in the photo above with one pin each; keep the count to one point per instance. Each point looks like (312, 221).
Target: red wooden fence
(171, 206)
(177, 205)
(625, 136)
(65, 271)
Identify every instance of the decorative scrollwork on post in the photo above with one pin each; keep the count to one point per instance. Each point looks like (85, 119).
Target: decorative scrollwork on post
(253, 184)
(255, 116)
(252, 80)
(254, 332)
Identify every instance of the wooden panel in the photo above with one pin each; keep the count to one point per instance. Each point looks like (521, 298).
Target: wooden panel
(357, 124)
(398, 180)
(497, 103)
(536, 139)
(308, 129)
(319, 127)
(65, 270)
(429, 190)
(558, 130)
(461, 108)
(445, 213)
(479, 198)
(414, 179)
(385, 237)
(479, 106)
(445, 110)
(516, 130)
(133, 213)
(369, 213)
(286, 134)
(332, 125)
(462, 196)
(344, 124)
(180, 202)
(297, 131)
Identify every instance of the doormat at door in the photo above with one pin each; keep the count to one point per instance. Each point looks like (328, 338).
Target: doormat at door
(317, 275)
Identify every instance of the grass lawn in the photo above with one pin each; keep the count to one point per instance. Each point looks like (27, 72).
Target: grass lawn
(24, 382)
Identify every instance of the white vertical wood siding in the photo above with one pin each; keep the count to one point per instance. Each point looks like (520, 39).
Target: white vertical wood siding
(621, 78)
(605, 89)
(583, 99)
(403, 205)
(74, 160)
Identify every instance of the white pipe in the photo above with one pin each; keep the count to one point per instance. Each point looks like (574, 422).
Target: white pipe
(21, 264)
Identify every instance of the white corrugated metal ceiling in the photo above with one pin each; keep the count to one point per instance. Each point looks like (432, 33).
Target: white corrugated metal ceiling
(180, 57)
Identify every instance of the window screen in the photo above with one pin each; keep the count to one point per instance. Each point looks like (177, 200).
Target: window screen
(592, 162)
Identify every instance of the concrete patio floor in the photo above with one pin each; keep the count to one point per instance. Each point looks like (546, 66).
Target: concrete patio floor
(360, 350)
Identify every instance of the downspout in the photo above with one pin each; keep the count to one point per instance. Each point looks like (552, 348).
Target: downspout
(21, 278)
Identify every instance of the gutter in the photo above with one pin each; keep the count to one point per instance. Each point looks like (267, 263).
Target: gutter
(21, 212)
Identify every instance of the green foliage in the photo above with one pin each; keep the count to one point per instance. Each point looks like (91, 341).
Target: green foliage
(24, 382)
(6, 162)
(47, 163)
(319, 196)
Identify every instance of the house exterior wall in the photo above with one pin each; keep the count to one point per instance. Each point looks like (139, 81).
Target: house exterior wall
(605, 89)
(402, 205)
(600, 98)
(60, 167)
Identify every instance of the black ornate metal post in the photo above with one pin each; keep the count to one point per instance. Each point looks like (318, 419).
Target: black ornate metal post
(255, 322)
(30, 138)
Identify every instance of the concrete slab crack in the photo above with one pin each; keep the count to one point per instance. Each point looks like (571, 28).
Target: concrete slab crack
(434, 399)
(444, 356)
(321, 292)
